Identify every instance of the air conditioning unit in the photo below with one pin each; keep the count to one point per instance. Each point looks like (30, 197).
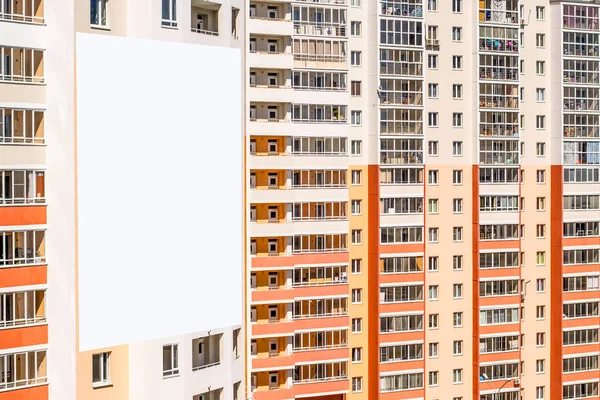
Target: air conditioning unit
(432, 42)
(436, 42)
(516, 382)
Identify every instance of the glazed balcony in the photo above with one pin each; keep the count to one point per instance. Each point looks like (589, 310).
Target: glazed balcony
(23, 369)
(498, 123)
(507, 13)
(21, 126)
(401, 151)
(320, 308)
(320, 211)
(328, 2)
(581, 72)
(18, 309)
(320, 80)
(319, 276)
(319, 114)
(401, 91)
(22, 187)
(495, 39)
(401, 122)
(579, 44)
(498, 67)
(319, 53)
(401, 8)
(498, 96)
(580, 17)
(401, 62)
(494, 152)
(206, 17)
(321, 372)
(22, 248)
(319, 21)
(207, 351)
(21, 65)
(30, 11)
(320, 243)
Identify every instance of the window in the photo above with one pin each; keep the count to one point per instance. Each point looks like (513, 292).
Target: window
(356, 296)
(540, 95)
(540, 122)
(540, 366)
(432, 61)
(357, 354)
(356, 207)
(356, 177)
(99, 13)
(356, 325)
(457, 176)
(457, 348)
(432, 147)
(457, 91)
(433, 263)
(432, 32)
(457, 262)
(357, 266)
(539, 390)
(540, 285)
(540, 339)
(356, 236)
(457, 319)
(540, 204)
(456, 6)
(540, 258)
(457, 206)
(169, 13)
(540, 149)
(457, 149)
(433, 235)
(433, 378)
(457, 376)
(522, 121)
(457, 62)
(540, 176)
(355, 28)
(357, 381)
(356, 147)
(540, 231)
(356, 117)
(356, 88)
(356, 58)
(522, 67)
(433, 321)
(433, 206)
(170, 360)
(432, 5)
(456, 34)
(101, 369)
(355, 3)
(540, 40)
(540, 13)
(540, 312)
(433, 292)
(433, 119)
(540, 67)
(433, 177)
(433, 90)
(457, 233)
(457, 120)
(433, 350)
(457, 290)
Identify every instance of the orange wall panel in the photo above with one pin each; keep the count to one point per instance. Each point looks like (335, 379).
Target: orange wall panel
(21, 337)
(34, 393)
(22, 276)
(25, 215)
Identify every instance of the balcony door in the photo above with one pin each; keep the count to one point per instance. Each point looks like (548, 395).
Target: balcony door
(273, 280)
(273, 347)
(273, 314)
(253, 281)
(273, 380)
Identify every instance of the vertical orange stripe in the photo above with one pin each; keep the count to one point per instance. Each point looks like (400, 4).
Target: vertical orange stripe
(556, 257)
(373, 279)
(475, 282)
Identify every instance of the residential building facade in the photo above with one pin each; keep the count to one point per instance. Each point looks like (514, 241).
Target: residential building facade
(422, 199)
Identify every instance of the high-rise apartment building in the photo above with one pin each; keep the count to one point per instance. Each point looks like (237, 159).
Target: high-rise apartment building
(423, 199)
(109, 288)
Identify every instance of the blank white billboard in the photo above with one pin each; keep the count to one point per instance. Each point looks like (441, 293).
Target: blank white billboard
(159, 189)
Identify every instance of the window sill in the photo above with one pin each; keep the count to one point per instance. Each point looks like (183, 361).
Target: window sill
(99, 385)
(100, 27)
(171, 376)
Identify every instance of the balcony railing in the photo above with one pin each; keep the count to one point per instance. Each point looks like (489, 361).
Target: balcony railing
(275, 52)
(499, 73)
(581, 132)
(198, 368)
(498, 16)
(30, 11)
(580, 105)
(589, 77)
(401, 158)
(21, 65)
(320, 58)
(400, 128)
(22, 308)
(401, 10)
(336, 2)
(205, 32)
(392, 68)
(502, 131)
(498, 102)
(320, 29)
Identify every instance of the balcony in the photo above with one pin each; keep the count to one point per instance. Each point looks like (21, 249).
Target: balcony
(21, 65)
(216, 394)
(30, 11)
(401, 8)
(401, 151)
(272, 24)
(328, 2)
(332, 86)
(494, 39)
(273, 381)
(22, 248)
(319, 21)
(319, 114)
(319, 53)
(320, 308)
(19, 309)
(207, 352)
(20, 126)
(22, 187)
(580, 17)
(205, 17)
(321, 372)
(21, 370)
(319, 276)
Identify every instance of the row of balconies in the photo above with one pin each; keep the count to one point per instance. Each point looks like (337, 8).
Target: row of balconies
(22, 65)
(29, 11)
(299, 244)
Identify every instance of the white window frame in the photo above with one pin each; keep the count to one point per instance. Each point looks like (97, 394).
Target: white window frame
(103, 360)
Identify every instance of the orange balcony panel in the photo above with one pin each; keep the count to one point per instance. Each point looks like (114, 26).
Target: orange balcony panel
(272, 296)
(320, 323)
(579, 376)
(493, 357)
(493, 385)
(499, 244)
(574, 296)
(273, 362)
(499, 328)
(402, 307)
(279, 394)
(23, 276)
(499, 300)
(401, 278)
(321, 388)
(402, 248)
(575, 322)
(278, 328)
(401, 366)
(580, 269)
(31, 393)
(580, 349)
(26, 215)
(580, 241)
(321, 291)
(272, 262)
(401, 337)
(404, 394)
(498, 272)
(319, 355)
(25, 336)
(321, 258)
